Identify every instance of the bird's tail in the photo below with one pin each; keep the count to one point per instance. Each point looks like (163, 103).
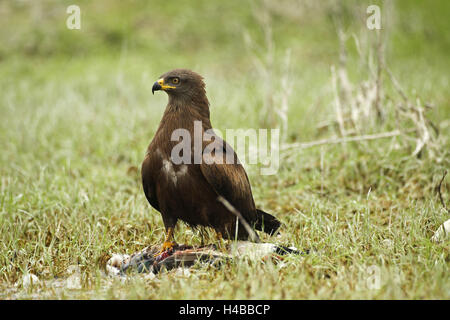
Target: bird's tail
(266, 222)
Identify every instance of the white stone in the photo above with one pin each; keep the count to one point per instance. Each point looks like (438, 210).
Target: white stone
(442, 232)
(30, 279)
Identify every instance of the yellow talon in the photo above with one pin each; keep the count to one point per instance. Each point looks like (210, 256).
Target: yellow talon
(168, 243)
(166, 246)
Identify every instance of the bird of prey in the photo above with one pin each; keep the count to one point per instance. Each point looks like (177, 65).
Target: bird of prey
(189, 191)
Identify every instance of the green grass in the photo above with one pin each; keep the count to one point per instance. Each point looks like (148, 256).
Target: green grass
(77, 114)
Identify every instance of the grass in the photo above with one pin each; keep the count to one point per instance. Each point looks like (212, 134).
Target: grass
(77, 115)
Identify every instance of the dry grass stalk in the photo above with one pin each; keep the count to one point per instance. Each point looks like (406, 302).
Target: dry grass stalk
(356, 105)
(305, 145)
(440, 193)
(253, 236)
(285, 92)
(275, 104)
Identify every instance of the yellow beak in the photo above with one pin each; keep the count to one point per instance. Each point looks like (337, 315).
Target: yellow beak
(160, 85)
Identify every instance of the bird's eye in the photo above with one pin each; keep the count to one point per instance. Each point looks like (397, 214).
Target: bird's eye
(175, 80)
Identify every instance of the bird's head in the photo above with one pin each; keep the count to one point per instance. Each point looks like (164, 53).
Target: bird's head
(181, 84)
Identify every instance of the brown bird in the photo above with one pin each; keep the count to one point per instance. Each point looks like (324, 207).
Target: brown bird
(189, 190)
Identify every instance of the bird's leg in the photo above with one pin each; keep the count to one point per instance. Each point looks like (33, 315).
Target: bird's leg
(168, 242)
(221, 242)
(202, 236)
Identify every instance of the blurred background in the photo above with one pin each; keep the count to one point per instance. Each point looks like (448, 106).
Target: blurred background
(77, 113)
(130, 43)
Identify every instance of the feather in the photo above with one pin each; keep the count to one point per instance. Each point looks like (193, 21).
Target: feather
(189, 191)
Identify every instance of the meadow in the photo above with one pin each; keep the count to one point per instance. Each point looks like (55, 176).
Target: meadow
(77, 115)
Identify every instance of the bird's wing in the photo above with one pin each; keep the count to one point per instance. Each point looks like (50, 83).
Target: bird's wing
(148, 168)
(229, 180)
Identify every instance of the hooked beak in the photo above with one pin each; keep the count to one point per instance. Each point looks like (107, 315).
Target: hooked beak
(156, 87)
(159, 85)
